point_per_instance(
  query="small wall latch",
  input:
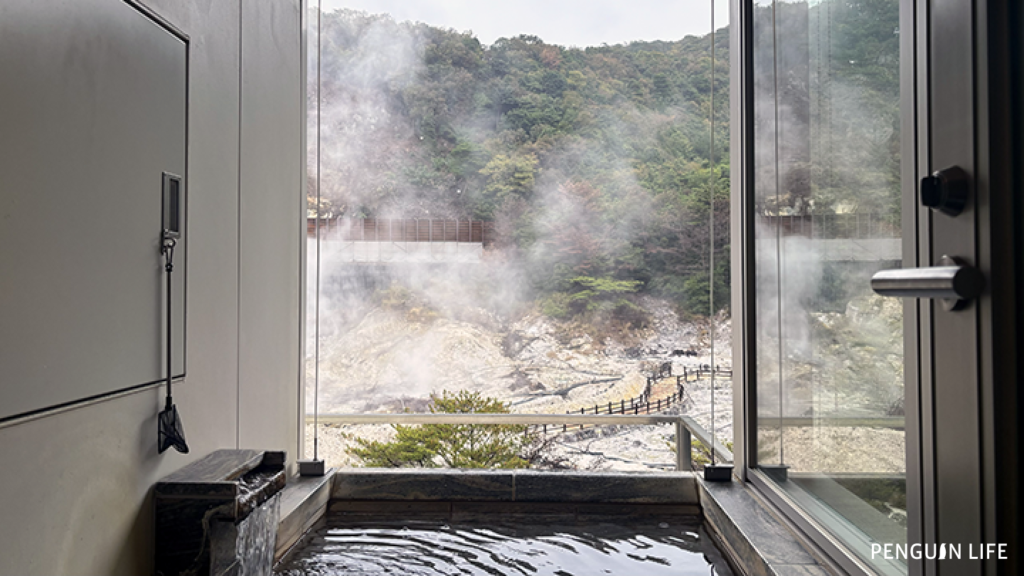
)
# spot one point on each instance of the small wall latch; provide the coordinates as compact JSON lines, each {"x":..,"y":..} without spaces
{"x":946,"y":190}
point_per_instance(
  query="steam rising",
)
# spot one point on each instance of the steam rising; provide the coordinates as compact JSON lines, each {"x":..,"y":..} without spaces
{"x":563,"y":206}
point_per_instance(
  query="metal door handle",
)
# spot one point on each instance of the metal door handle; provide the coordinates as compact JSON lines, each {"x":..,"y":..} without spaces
{"x":952,"y":282}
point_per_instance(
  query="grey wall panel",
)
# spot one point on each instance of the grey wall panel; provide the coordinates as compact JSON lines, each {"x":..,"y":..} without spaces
{"x":207,"y":399}
{"x":74,"y":499}
{"x":75,"y":492}
{"x":271,"y":225}
{"x":93,"y":112}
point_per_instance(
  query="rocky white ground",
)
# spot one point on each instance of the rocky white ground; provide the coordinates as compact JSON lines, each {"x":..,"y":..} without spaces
{"x":392,"y":360}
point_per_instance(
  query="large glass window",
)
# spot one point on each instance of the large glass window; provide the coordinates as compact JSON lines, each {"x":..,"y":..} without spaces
{"x":523,"y":207}
{"x":829,"y":352}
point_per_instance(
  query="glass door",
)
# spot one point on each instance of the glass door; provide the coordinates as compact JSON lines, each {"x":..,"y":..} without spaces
{"x":827,"y":387}
{"x":885,"y":428}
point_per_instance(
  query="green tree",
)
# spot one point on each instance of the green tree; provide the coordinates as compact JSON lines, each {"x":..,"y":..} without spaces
{"x":455,"y":445}
{"x":507,"y":177}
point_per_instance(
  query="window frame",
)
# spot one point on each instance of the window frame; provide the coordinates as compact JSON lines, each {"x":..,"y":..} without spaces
{"x":913,"y":54}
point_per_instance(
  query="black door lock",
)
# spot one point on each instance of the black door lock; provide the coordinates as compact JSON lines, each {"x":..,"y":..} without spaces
{"x":946,"y":190}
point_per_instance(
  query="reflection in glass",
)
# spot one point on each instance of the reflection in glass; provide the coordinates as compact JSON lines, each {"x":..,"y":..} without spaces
{"x":769,"y":447}
{"x":827,"y":201}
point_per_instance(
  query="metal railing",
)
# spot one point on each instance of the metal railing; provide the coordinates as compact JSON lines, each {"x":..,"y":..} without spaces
{"x":686,"y":427}
{"x":401,"y":230}
{"x":889,"y":422}
{"x":835,"y":226}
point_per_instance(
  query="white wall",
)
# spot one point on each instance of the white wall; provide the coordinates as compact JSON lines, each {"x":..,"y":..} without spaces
{"x":74,"y":485}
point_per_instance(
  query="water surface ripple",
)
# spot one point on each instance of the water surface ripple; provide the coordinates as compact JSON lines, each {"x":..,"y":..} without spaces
{"x":500,"y":549}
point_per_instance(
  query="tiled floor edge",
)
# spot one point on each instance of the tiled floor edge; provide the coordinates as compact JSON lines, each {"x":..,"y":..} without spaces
{"x":828,"y":567}
{"x":729,"y":538}
{"x":756,"y":541}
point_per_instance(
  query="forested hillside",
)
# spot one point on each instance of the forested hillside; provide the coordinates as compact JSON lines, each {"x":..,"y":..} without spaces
{"x":594,"y":163}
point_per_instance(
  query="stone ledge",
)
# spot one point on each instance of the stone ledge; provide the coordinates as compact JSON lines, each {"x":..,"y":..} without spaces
{"x":349,"y":512}
{"x":428,"y":484}
{"x":450,"y":485}
{"x":303,"y":504}
{"x":217,"y":466}
{"x":606,"y":487}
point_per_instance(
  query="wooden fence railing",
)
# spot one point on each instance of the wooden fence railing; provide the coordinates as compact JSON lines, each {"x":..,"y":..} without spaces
{"x":643,"y":404}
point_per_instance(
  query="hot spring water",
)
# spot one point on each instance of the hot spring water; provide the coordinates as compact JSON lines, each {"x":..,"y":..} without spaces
{"x":498,"y":548}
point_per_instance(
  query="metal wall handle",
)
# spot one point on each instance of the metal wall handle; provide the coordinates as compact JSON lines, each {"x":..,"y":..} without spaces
{"x":952,"y":282}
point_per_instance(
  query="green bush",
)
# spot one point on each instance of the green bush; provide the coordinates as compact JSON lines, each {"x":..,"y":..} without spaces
{"x":625,"y":312}
{"x":455,"y":445}
{"x":557,"y":306}
{"x":589,"y":295}
{"x":702,"y":454}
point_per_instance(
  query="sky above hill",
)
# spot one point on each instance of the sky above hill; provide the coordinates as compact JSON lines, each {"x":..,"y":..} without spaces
{"x":567,"y":22}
